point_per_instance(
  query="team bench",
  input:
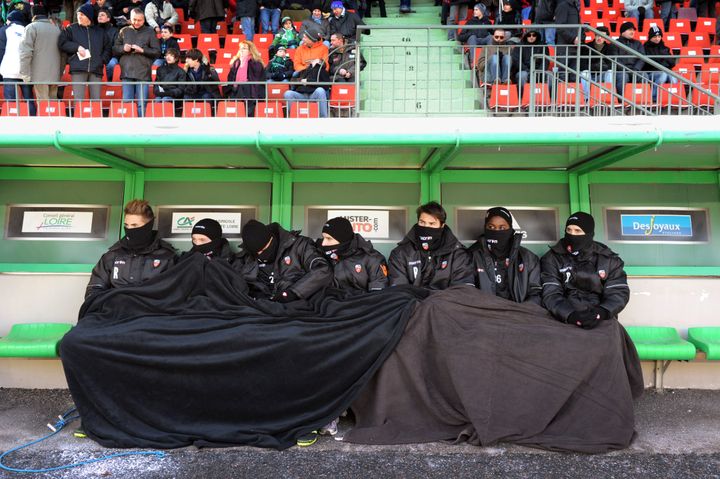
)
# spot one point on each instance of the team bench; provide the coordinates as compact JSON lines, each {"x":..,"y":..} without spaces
{"x":664,"y":345}
{"x":33,"y":340}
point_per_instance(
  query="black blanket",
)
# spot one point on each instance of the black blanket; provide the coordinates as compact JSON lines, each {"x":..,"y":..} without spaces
{"x":189,"y":358}
{"x":474,"y":367}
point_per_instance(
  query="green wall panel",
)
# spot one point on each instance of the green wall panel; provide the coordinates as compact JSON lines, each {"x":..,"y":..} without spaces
{"x":161,"y":193}
{"x":59,"y":192}
{"x":486,"y":194}
{"x":354,"y":194}
{"x":659,"y":196}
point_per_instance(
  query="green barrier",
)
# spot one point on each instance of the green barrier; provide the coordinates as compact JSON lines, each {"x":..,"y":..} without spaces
{"x":707,"y":340}
{"x":33,"y":340}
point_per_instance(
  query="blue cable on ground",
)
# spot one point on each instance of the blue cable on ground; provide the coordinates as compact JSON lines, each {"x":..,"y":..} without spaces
{"x":63,"y":421}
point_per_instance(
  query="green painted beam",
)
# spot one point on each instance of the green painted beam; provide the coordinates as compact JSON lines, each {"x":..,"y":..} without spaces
{"x":503,"y":176}
{"x":282,"y":197}
{"x":60,"y":174}
{"x":208,"y":175}
{"x":574,"y":192}
{"x":652,"y":177}
{"x":45,"y":268}
{"x":583,"y":193}
{"x":96,"y":155}
{"x":608,"y":157}
{"x":672,"y":271}
{"x":356,"y":176}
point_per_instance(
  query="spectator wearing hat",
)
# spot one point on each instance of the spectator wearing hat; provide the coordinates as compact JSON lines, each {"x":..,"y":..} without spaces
{"x":246,"y":11}
{"x":343,"y":21}
{"x":208,"y":13}
{"x":656,"y":49}
{"x":40,"y":57}
{"x":311,"y":66}
{"x":318,"y":21}
{"x":270,"y":15}
{"x":280,"y":68}
{"x":207,"y":239}
{"x":503,"y":267}
{"x":595,"y":64}
{"x":247,"y":66}
{"x":357,"y":267}
{"x":583,"y":281}
{"x":287,"y":36}
{"x":280,"y":265}
{"x":474,"y":37}
{"x":10,"y":68}
{"x":629,"y":66}
{"x":88,"y":50}
{"x":639,"y":10}
{"x":530,"y":54}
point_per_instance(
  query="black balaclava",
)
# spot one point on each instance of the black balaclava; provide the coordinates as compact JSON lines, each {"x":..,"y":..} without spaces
{"x":212,"y":229}
{"x":499,"y":241}
{"x":139,"y":238}
{"x":429,"y":238}
{"x":270,"y":252}
{"x":341,"y":230}
{"x":255,"y":236}
{"x":576,"y":243}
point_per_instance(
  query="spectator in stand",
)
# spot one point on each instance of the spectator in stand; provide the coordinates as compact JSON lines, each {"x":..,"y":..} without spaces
{"x":280,"y":67}
{"x":287,"y":36}
{"x":524,"y":56}
{"x":246,"y":11}
{"x":137,"y":47}
{"x":106,"y":23}
{"x":167,"y":40}
{"x":208,"y":13}
{"x":381,"y":6}
{"x":543,"y":13}
{"x":639,"y":10}
{"x":594,"y":64}
{"x":40,"y":58}
{"x":508,"y":15}
{"x":317,"y":20}
{"x":170,"y":71}
{"x":199,"y":70}
{"x":10,"y":37}
{"x":474,"y":37}
{"x":405,"y":6}
{"x":88,"y":49}
{"x":629,"y":66}
{"x":656,"y":49}
{"x":103,"y":4}
{"x":8,"y":6}
{"x":160,"y":13}
{"x":495,"y":63}
{"x":342,"y":60}
{"x":311,"y":65}
{"x":452,"y":12}
{"x":125,"y":7}
{"x":343,"y":21}
{"x":247,"y":66}
{"x":567,"y":12}
{"x":667,"y":11}
{"x":270,"y":16}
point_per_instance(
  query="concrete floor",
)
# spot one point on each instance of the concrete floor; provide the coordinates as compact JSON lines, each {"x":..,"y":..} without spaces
{"x":678,"y":436}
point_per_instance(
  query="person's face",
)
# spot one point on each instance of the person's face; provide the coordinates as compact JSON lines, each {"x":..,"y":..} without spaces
{"x":629,"y":34}
{"x":170,"y":58}
{"x":135,"y":221}
{"x":137,"y":20}
{"x":429,"y":221}
{"x":317,"y":13}
{"x":243,"y":50}
{"x":280,"y":53}
{"x":574,"y":230}
{"x":307,"y":41}
{"x":100,"y":3}
{"x":507,"y":7}
{"x":287,"y":25}
{"x":497,"y":223}
{"x":198,"y":239}
{"x":656,"y":39}
{"x":532,"y":37}
{"x":166,"y":33}
{"x":329,"y":240}
{"x":599,"y":40}
{"x":477,"y":12}
{"x":335,"y":42}
{"x":337,"y":11}
{"x":83,"y":20}
{"x":499,"y":36}
{"x":103,"y":17}
{"x":194,"y":64}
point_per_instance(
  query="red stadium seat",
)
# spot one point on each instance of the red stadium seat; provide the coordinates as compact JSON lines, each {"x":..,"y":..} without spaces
{"x":276,"y":91}
{"x":603,"y":95}
{"x":231,"y":109}
{"x":342,"y":96}
{"x":588,"y":15}
{"x":232,"y":41}
{"x":271,"y":109}
{"x":207,"y":42}
{"x":672,"y":95}
{"x":221,"y":29}
{"x":540,"y":95}
{"x":110,"y":94}
{"x":569,"y":95}
{"x":123,"y":109}
{"x":304,"y":109}
{"x":504,"y":96}
{"x":710,"y":74}
{"x":191,"y":28}
{"x":263,"y":40}
{"x":51,"y":108}
{"x":714,"y":54}
{"x":699,"y":40}
{"x":15,"y":108}
{"x":673,"y":41}
{"x":691,"y":56}
{"x":225,"y":55}
{"x":196,"y":109}
{"x":88,"y":109}
{"x":678,"y":25}
{"x":702,"y":99}
{"x":181,"y":15}
{"x":184,"y":42}
{"x":639,"y":94}
{"x":705,"y":25}
{"x":159,"y":109}
{"x":686,"y":71}
{"x":611,"y":13}
{"x":222,"y":71}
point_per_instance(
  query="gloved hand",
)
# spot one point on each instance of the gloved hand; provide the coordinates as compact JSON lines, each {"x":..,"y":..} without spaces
{"x":604,"y":313}
{"x":286,"y":297}
{"x":587,"y":319}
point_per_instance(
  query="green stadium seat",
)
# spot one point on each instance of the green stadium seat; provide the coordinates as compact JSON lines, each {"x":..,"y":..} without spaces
{"x":662,"y":345}
{"x":33,"y":340}
{"x":707,"y":340}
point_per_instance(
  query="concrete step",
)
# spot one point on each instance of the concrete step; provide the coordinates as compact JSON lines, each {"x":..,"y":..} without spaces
{"x":419,"y":106}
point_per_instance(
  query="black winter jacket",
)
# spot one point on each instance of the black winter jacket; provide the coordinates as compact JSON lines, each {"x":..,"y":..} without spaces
{"x":361,"y":269}
{"x":523,"y":270}
{"x":92,"y":38}
{"x":594,"y":277}
{"x":466,"y":33}
{"x":446,"y":266}
{"x":591,"y":60}
{"x":522,"y":55}
{"x":121,"y":266}
{"x":207,"y":74}
{"x":170,"y":73}
{"x":346,"y":24}
{"x":298,"y":267}
{"x":567,"y":12}
{"x":626,"y":58}
{"x":655,"y":51}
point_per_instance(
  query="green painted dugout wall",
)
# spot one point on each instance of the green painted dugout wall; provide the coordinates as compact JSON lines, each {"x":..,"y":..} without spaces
{"x":284,"y":196}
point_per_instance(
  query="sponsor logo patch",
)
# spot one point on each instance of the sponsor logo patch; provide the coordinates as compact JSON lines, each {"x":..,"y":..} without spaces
{"x":358,"y":268}
{"x":156,"y":263}
{"x":287,"y":260}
